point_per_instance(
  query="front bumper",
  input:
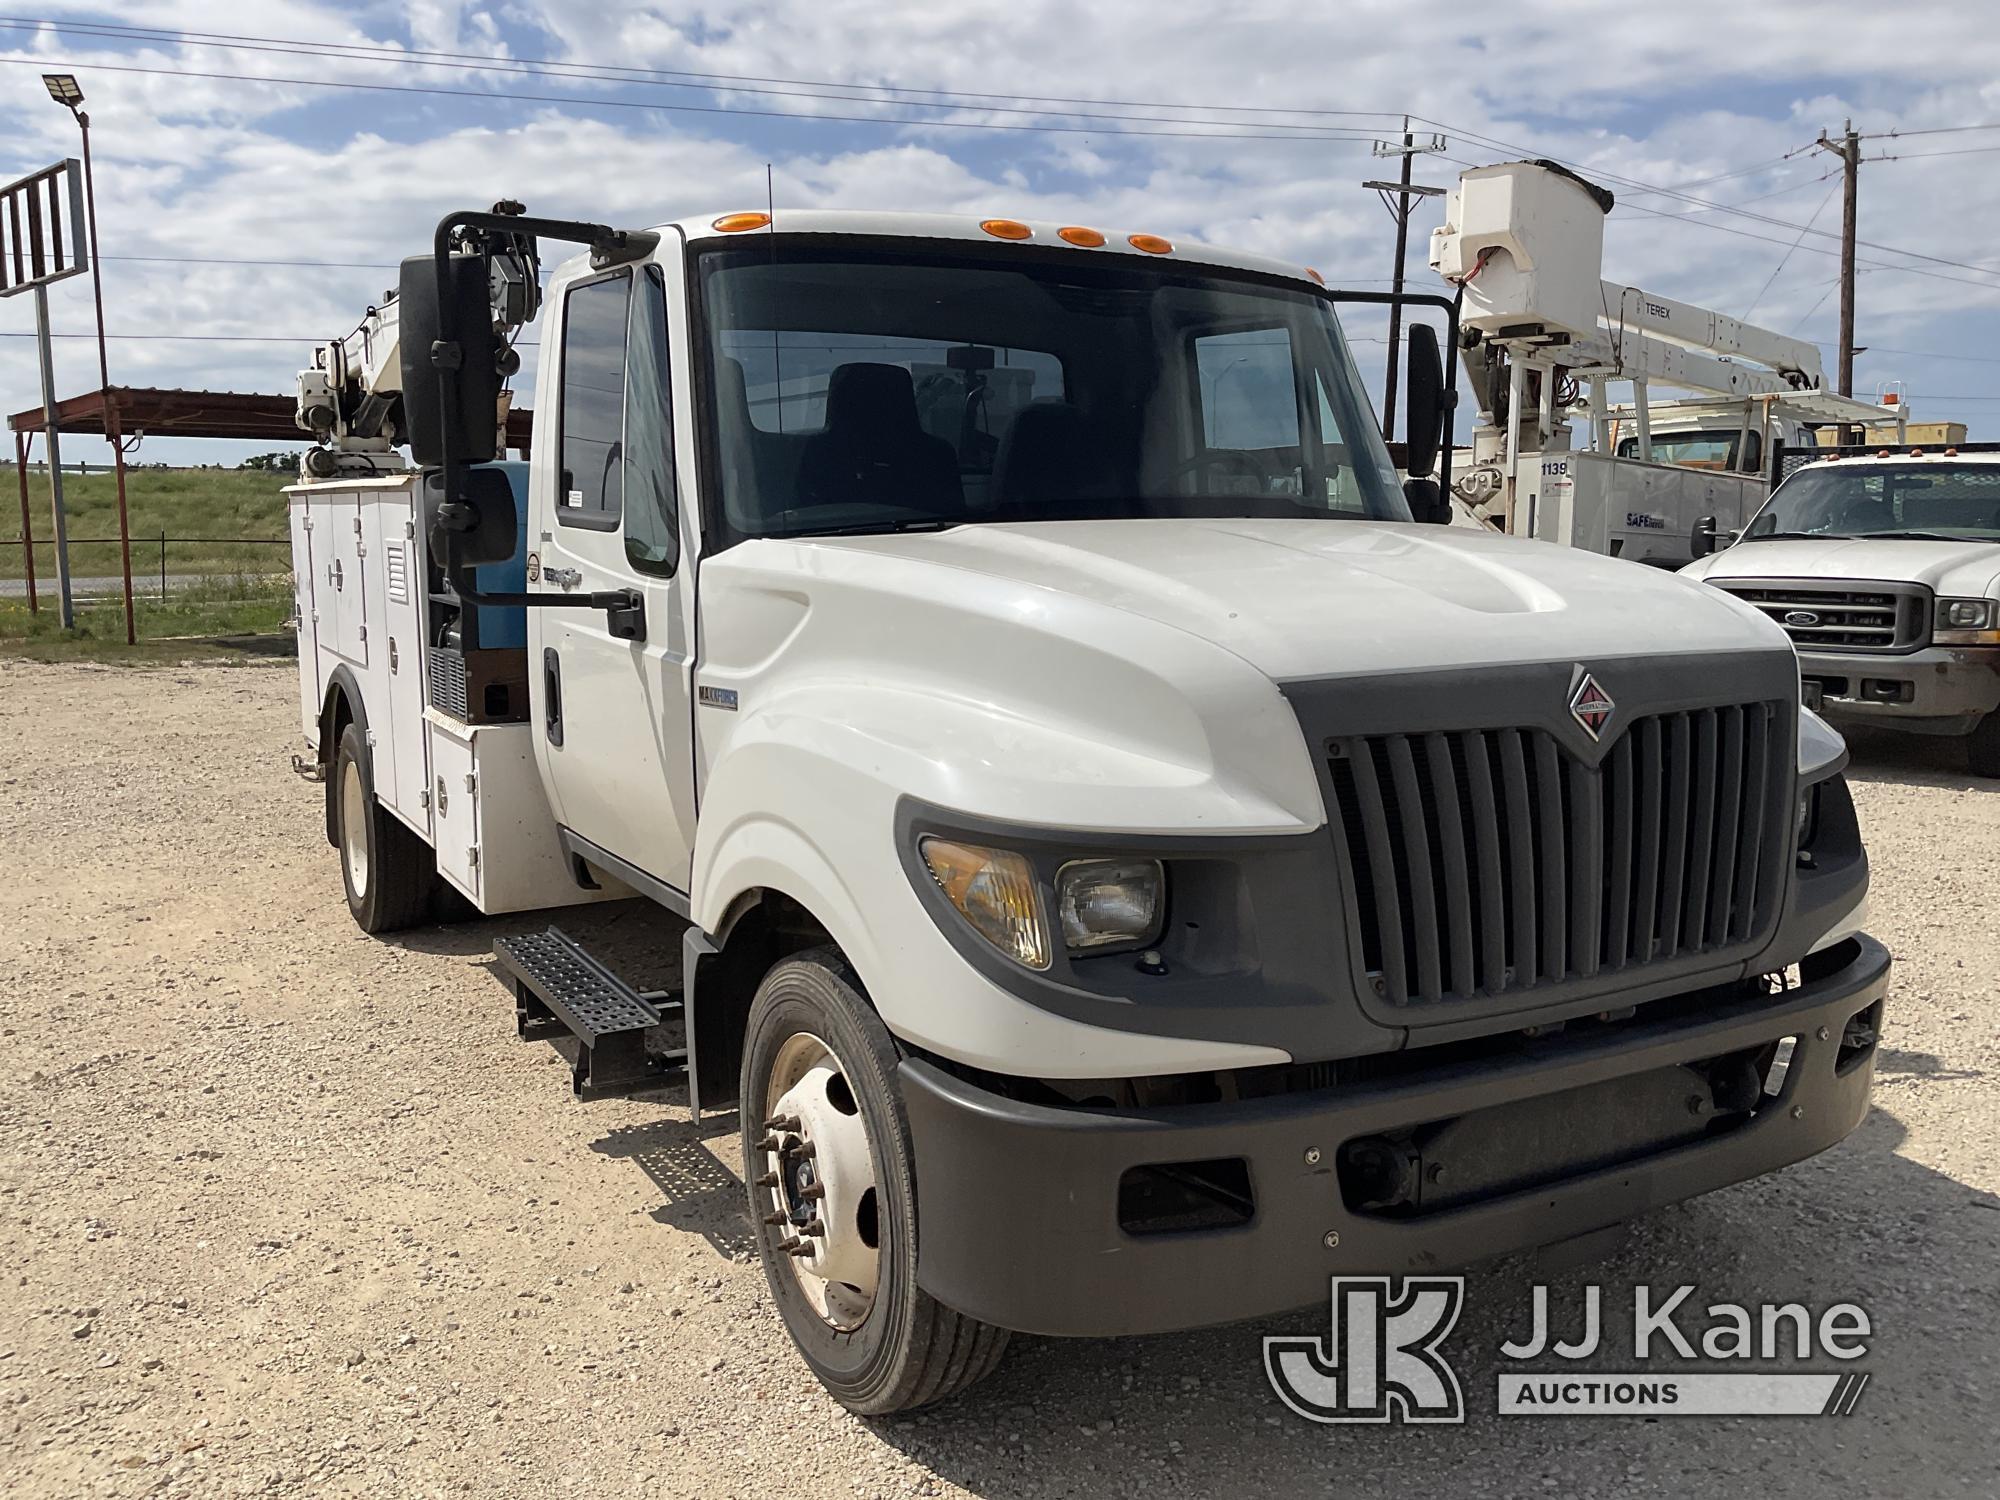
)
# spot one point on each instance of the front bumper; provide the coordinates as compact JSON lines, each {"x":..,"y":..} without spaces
{"x":1936,"y":690}
{"x":1020,"y":1202}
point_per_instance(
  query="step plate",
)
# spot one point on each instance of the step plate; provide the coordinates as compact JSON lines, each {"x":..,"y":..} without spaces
{"x":556,"y":981}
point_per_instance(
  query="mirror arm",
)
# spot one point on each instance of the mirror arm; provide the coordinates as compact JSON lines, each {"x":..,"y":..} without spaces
{"x":626,"y":608}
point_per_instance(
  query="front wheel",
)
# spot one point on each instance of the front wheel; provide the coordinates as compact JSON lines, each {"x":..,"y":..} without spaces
{"x":826,"y":1154}
{"x":1982,"y":746}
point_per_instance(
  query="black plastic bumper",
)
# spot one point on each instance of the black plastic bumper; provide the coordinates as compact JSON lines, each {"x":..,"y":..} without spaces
{"x":1018,"y":1202}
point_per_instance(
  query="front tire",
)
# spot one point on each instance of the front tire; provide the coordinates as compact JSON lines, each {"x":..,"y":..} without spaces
{"x":1982,"y":746}
{"x":826,"y":1155}
{"x":388,"y":871}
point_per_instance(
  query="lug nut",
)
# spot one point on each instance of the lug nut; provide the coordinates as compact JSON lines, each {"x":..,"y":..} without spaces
{"x":782,"y":1122}
{"x":800,"y":1249}
{"x":768,"y":1180}
{"x":768,"y":1143}
{"x":774,"y":1220}
{"x":816,"y":1229}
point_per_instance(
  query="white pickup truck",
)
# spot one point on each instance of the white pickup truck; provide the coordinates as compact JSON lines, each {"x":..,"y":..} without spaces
{"x":1130,"y":869}
{"x":1883,"y":565}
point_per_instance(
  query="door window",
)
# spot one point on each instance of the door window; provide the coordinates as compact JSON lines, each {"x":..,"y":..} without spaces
{"x":652,"y":530}
{"x":593,"y":403}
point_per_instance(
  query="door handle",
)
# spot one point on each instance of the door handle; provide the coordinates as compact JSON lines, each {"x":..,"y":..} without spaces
{"x":552,"y":695}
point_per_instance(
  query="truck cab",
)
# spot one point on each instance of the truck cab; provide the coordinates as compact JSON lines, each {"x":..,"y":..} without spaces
{"x":1096,"y":809}
{"x":1883,"y":565}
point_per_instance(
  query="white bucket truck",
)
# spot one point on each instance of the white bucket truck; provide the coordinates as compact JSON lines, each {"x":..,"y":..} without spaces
{"x":1545,"y":339}
{"x":1129,"y":869}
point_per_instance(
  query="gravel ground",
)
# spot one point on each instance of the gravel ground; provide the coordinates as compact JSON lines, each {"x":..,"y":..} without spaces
{"x":287,"y":1210}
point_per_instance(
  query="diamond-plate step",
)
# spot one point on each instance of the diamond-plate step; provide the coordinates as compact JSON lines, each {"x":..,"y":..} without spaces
{"x":556,"y":982}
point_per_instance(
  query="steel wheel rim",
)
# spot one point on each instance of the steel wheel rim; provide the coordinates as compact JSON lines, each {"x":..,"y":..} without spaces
{"x":816,"y":1192}
{"x":354,"y":828}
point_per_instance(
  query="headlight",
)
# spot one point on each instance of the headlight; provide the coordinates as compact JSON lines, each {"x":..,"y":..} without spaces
{"x":994,"y":890}
{"x":1966,"y":622}
{"x":1109,"y":903}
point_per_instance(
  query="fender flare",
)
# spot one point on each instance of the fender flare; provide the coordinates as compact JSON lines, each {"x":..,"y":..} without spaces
{"x":348,"y":686}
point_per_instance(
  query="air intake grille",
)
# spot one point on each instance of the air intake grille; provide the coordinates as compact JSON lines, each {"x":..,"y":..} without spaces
{"x":1869,"y":617}
{"x":1488,"y":861}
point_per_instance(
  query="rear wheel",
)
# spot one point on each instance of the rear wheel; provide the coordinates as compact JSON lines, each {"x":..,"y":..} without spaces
{"x":826,"y":1152}
{"x":1982,"y":746}
{"x":388,"y":871}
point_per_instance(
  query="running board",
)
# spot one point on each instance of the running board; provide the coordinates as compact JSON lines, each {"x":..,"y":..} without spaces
{"x":558,"y":985}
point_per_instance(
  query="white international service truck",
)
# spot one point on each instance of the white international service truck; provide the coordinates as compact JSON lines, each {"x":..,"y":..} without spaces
{"x":1131,"y":867}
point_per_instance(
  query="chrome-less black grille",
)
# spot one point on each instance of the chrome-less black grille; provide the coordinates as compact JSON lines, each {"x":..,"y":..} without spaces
{"x":1488,"y":861}
{"x":1845,"y":616}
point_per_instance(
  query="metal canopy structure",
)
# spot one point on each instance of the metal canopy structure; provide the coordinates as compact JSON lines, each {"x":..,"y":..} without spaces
{"x":154,"y":411}
{"x":126,"y":414}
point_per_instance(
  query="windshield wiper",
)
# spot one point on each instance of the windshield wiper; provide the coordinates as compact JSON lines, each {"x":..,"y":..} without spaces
{"x":1795,"y":536}
{"x":1923,"y":536}
{"x":878,"y":528}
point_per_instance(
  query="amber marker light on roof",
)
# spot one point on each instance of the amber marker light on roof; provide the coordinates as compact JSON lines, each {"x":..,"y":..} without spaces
{"x":1315,"y":276}
{"x":737,"y":223}
{"x":1152,"y":244}
{"x":1076,"y":234}
{"x":1006,"y":229}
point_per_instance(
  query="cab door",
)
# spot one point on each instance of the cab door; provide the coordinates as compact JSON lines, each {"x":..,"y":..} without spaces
{"x":614,"y":728}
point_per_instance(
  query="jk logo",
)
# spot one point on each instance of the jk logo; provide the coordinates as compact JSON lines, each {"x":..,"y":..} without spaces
{"x":1380,"y":1362}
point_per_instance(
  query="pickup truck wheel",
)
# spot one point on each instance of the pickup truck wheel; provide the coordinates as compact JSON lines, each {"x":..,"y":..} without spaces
{"x":826,"y":1154}
{"x":1982,"y":746}
{"x":388,"y":870}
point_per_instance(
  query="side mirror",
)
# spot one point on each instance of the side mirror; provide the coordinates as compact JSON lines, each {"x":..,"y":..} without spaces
{"x":421,"y":307}
{"x":481,"y":526}
{"x":1704,"y":539}
{"x":1427,"y":501}
{"x":1424,"y":401}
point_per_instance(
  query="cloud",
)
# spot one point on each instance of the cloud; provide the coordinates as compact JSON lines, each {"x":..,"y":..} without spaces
{"x":265,"y":170}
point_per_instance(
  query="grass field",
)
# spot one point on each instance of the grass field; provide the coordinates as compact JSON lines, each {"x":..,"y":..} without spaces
{"x":246,"y":612}
{"x":236,"y":516}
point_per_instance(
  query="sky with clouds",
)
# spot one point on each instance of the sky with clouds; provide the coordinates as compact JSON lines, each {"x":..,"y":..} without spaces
{"x":261,"y":168}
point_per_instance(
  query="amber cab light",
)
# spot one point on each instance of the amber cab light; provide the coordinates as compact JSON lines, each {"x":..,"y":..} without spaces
{"x":1076,"y":234}
{"x":1006,"y":229}
{"x":1152,"y":244}
{"x":737,"y":223}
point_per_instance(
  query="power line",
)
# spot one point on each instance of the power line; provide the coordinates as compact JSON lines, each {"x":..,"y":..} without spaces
{"x":1785,"y":259}
{"x":1220,"y":129}
{"x":1920,"y":155}
{"x":717,"y":82}
{"x":1704,"y":203}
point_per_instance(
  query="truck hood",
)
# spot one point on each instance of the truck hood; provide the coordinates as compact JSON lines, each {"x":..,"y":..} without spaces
{"x":1304,"y":599}
{"x":1954,"y":569}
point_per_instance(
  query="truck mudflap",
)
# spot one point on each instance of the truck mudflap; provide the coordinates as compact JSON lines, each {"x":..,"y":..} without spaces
{"x":1077,"y":1221}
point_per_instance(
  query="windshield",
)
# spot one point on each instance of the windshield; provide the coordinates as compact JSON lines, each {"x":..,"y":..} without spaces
{"x":856,"y":389}
{"x":1697,"y":450}
{"x":1917,"y":500}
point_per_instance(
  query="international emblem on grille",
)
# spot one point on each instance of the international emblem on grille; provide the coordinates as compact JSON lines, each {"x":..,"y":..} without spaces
{"x":1591,"y":706}
{"x":1804,"y":619}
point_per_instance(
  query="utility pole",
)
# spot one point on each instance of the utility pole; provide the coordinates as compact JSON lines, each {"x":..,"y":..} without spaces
{"x":1399,"y":197}
{"x":1848,"y":149}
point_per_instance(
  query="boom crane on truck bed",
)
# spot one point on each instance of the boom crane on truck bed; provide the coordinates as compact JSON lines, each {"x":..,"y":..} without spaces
{"x":351,"y":397}
{"x":1543,"y":334}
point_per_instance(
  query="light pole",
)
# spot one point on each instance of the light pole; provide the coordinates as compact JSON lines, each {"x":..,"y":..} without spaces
{"x":66,"y":91}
